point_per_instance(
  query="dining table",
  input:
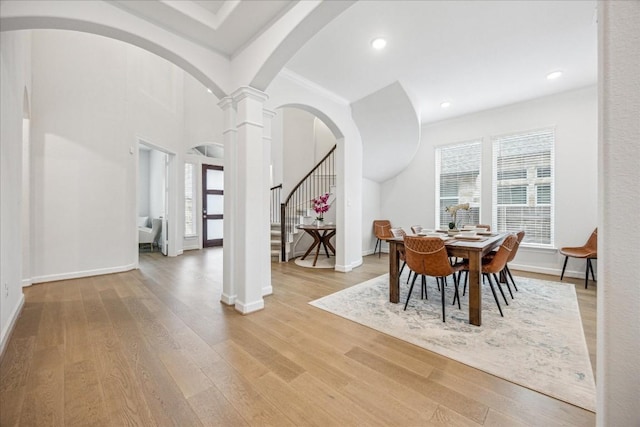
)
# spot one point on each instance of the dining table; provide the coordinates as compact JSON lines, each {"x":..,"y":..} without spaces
{"x":472,"y":249}
{"x":321,"y":235}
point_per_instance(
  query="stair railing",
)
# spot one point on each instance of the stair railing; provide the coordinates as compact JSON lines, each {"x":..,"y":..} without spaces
{"x":316,"y":183}
{"x":276,"y":197}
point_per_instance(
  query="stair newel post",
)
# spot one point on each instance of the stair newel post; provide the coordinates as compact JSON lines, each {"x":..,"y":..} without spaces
{"x":283,"y":232}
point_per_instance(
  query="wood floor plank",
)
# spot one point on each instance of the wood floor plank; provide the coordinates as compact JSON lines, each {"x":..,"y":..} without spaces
{"x":15,"y":368}
{"x":168,"y":405}
{"x":154,"y":346}
{"x":244,"y":397}
{"x":84,"y":404}
{"x":44,"y":403}
{"x":465,"y":406}
{"x":214,"y":409}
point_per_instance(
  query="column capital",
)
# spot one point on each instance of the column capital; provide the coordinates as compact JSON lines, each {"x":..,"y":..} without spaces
{"x":249,"y":92}
{"x":226,"y":102}
{"x":268,"y":114}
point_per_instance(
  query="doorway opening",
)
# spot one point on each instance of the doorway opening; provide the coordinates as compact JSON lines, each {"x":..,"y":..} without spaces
{"x":153,"y":199}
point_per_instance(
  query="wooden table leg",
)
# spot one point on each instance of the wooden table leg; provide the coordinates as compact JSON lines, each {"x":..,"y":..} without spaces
{"x":316,"y":241}
{"x":475,"y":292}
{"x":394,"y":284}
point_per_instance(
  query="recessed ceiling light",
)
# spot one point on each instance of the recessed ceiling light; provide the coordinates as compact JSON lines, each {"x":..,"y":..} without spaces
{"x":445,"y":104}
{"x":378,"y":43}
{"x":209,"y":90}
{"x":554,"y":75}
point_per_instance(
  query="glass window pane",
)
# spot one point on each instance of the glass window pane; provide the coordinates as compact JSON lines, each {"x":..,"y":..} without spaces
{"x":215,"y":204}
{"x":215,"y":179}
{"x":214,"y":229}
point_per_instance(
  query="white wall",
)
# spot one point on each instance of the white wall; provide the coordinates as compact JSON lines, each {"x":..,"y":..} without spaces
{"x":409,"y":198}
{"x":94,"y":100}
{"x":370,"y":212}
{"x":15,"y":68}
{"x":157,"y":172}
{"x":143,"y":182}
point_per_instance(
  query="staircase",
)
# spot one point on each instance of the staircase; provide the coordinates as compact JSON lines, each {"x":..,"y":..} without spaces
{"x":297,"y":207}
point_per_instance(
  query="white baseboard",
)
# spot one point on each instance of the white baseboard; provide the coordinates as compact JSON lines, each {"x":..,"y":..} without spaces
{"x":549,"y":271}
{"x":85,"y":273}
{"x":246,"y":308}
{"x":26,"y":283}
{"x":8,"y":330}
{"x":267,"y":290}
{"x":227,"y":299}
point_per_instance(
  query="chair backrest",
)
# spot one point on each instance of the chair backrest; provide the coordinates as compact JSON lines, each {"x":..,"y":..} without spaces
{"x":398,"y":232}
{"x":592,"y":243}
{"x":499,"y":260}
{"x":488,"y":227}
{"x":382,"y":228}
{"x":514,"y":251}
{"x":415,"y":229}
{"x":156,"y":225}
{"x":427,"y":255}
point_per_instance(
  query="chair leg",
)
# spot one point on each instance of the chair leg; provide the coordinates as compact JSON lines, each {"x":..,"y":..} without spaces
{"x":495,"y":297}
{"x":586,"y":274}
{"x":442,"y":298}
{"x":506,"y":267}
{"x":500,"y":288}
{"x":566,"y":258}
{"x":410,"y":290}
{"x":591,"y":268}
{"x":402,"y":268}
{"x":424,"y":286}
{"x":376,"y":248}
{"x":503,"y":274}
{"x":456,"y":295}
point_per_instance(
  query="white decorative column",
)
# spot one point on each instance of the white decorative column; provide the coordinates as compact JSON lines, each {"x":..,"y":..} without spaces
{"x":250,"y":209}
{"x":228,"y":247}
{"x":618,"y":361}
{"x":268,"y":115}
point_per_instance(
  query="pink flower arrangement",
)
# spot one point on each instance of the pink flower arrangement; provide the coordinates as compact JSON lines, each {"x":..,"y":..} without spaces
{"x":320,"y":205}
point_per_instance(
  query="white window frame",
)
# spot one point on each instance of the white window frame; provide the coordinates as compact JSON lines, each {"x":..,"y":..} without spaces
{"x":194,"y":200}
{"x":529,"y":140}
{"x":474,"y":200}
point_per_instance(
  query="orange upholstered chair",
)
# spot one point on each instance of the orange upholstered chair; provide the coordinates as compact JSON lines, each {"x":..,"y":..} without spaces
{"x":588,"y":251}
{"x":382,"y":231}
{"x":427,"y":256}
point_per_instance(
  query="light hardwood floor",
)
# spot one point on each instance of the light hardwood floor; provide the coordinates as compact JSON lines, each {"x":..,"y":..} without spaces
{"x":156,"y":347}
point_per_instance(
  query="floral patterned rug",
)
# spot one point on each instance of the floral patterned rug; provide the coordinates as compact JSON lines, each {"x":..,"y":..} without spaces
{"x":539,"y":343}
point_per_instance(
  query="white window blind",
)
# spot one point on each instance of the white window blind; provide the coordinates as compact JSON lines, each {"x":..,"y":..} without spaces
{"x":189,"y":200}
{"x":458,"y":181}
{"x":523,"y":179}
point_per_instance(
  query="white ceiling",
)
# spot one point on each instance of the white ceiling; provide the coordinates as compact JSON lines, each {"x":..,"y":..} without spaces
{"x":475,"y":54}
{"x":224,"y":26}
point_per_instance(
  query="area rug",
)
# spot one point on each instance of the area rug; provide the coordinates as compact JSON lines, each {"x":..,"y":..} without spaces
{"x":323,"y":262}
{"x":538,"y":344}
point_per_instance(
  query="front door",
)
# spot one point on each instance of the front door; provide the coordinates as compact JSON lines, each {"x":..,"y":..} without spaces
{"x":212,"y":205}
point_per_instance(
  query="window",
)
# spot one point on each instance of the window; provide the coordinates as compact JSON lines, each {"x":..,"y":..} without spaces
{"x":523,"y":185}
{"x":458,"y":181}
{"x":189,"y":201}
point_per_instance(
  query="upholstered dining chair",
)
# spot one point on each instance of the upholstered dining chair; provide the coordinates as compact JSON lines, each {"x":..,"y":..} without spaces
{"x":427,"y":256}
{"x":399,"y":232}
{"x":493,"y":265}
{"x":588,"y":251}
{"x":488,"y":227}
{"x":382,"y":231}
{"x":512,"y":255}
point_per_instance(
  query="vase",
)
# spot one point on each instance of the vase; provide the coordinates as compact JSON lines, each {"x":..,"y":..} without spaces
{"x":319,"y":222}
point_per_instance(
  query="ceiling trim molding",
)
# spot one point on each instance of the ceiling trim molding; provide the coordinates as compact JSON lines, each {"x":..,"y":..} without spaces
{"x":200,"y":14}
{"x":312,"y":86}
